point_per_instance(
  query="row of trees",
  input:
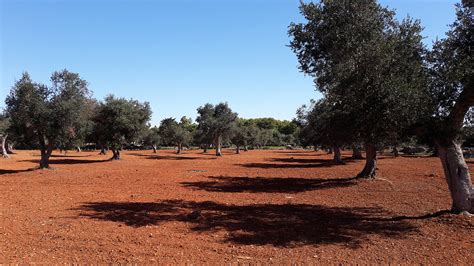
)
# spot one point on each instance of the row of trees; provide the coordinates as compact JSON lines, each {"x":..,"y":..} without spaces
{"x":64,"y":115}
{"x":381,"y":84}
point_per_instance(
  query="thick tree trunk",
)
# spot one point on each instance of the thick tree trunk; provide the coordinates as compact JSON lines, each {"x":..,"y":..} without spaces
{"x":205,"y":148}
{"x":237,"y":150}
{"x":103,"y":150}
{"x":457,"y":177}
{"x":154,"y":148}
{"x":395,"y":151}
{"x":356,"y":154}
{"x":4,"y":149}
{"x":370,"y":162}
{"x":246,"y":148}
{"x":337,"y":155}
{"x":45,"y":154}
{"x":218,"y":146}
{"x":116,"y":154}
{"x":9,"y":148}
{"x":78,"y":148}
{"x":180,"y":147}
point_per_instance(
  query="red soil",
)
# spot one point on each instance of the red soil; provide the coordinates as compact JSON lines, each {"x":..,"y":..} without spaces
{"x":260,"y":206}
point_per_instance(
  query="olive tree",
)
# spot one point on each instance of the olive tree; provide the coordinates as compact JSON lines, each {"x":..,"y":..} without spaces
{"x":362,"y":58}
{"x":48,"y":116}
{"x":118,"y":121}
{"x":217,"y":122}
{"x":175,"y":133}
{"x":452,"y":90}
{"x":152,"y":138}
{"x":242,"y":135}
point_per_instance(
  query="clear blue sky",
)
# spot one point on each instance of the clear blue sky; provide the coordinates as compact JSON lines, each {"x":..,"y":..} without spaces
{"x":176,"y":54}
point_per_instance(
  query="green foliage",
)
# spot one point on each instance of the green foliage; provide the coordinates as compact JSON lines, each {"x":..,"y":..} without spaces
{"x":365,"y":63}
{"x":451,"y":78}
{"x":51,"y":116}
{"x":118,"y":121}
{"x":174,"y":133}
{"x":215,"y":121}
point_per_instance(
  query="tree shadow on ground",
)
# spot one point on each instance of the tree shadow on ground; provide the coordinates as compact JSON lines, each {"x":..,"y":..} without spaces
{"x":259,"y":224}
{"x":8,"y":171}
{"x":69,"y":161}
{"x":177,"y":157}
{"x":268,"y":184}
{"x":296,"y":163}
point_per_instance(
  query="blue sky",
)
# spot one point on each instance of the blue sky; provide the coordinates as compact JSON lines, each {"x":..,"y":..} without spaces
{"x":176,"y":54}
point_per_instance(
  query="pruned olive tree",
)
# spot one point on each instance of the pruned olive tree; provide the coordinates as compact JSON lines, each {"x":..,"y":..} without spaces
{"x":45,"y":115}
{"x":217,"y":122}
{"x":152,"y":137}
{"x":175,"y":133}
{"x":242,"y":135}
{"x":452,"y":88}
{"x":118,"y":121}
{"x":331,"y":125}
{"x":362,"y":58}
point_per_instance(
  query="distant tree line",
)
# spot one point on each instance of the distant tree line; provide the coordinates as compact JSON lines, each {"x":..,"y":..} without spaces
{"x":65,"y":116}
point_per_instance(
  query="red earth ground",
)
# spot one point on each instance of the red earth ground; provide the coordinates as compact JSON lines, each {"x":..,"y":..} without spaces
{"x":268,"y":207}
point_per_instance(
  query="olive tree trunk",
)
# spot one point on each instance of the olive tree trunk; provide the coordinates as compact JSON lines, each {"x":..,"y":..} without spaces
{"x":356,"y":154}
{"x":103,"y":150}
{"x":78,"y":148}
{"x":45,"y":155}
{"x":370,"y":162}
{"x":205,"y":147}
{"x":337,"y":155}
{"x":395,"y":151}
{"x":218,"y":146}
{"x":457,"y":176}
{"x":4,"y":149}
{"x":154,"y":148}
{"x":9,"y":148}
{"x":116,"y":154}
{"x":180,"y":148}
{"x":237,"y":150}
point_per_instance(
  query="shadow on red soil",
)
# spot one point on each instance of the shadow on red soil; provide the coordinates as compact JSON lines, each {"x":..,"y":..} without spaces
{"x":259,"y":224}
{"x":268,"y":184}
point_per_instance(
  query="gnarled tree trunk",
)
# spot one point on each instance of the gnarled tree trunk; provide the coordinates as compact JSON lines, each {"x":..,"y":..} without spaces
{"x":395,"y":151}
{"x":45,"y":154}
{"x":370,"y":162}
{"x":78,"y":148}
{"x":204,"y":148}
{"x":356,"y":154}
{"x":4,"y":149}
{"x":9,"y":148}
{"x":103,"y":150}
{"x":237,"y":150}
{"x":337,"y":155}
{"x":180,"y":148}
{"x":218,"y":146}
{"x":457,"y":176}
{"x":154,"y":148}
{"x":116,"y":154}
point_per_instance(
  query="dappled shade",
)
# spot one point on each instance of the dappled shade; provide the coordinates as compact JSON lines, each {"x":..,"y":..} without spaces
{"x":259,"y":224}
{"x":267,"y":184}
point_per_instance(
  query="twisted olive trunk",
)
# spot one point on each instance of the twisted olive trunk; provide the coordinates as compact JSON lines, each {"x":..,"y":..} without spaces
{"x":457,"y":176}
{"x":4,"y":149}
{"x":337,"y":155}
{"x":356,"y":154}
{"x":370,"y":162}
{"x":180,"y":148}
{"x":116,"y":154}
{"x":237,"y":150}
{"x":154,"y":148}
{"x":218,"y":146}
